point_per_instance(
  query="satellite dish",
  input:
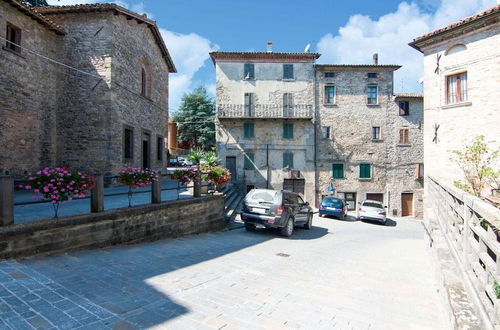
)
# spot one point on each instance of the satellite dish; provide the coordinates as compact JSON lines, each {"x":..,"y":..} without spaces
{"x":421,"y":80}
{"x":307,"y":48}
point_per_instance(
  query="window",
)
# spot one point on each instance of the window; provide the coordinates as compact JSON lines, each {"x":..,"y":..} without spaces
{"x":248,"y":130}
{"x":404,"y":108}
{"x":249,"y":104}
{"x":128,"y":143}
{"x":329,"y":74}
{"x":288,"y":101}
{"x":329,"y":94}
{"x":144,"y":82}
{"x":404,"y":136}
{"x":287,"y":160}
{"x":365,"y":171}
{"x":288,"y":131}
{"x":249,"y":71}
{"x":13,"y":38}
{"x":372,"y":94}
{"x":375,"y":133}
{"x":456,"y":88}
{"x":372,"y":75}
{"x":249,"y":164}
{"x":287,"y":71}
{"x":338,"y":171}
{"x":325,"y":132}
{"x":160,"y":145}
{"x":419,"y":171}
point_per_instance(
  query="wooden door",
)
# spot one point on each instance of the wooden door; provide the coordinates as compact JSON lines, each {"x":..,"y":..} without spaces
{"x":295,"y":185}
{"x":231,"y":166}
{"x":406,"y":204}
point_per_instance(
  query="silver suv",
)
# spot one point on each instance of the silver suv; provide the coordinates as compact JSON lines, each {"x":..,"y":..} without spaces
{"x":282,"y":209}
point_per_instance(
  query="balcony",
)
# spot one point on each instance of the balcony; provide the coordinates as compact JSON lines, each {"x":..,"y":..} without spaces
{"x":265,"y":111}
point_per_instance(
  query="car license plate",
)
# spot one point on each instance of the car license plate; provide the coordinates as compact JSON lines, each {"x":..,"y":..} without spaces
{"x":331,"y":208}
{"x":259,"y":210}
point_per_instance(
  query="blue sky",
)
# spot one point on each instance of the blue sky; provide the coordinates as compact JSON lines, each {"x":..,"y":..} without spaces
{"x":343,"y":31}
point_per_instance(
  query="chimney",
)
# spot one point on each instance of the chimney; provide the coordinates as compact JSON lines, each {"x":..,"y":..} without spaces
{"x":269,"y":46}
{"x":375,"y":59}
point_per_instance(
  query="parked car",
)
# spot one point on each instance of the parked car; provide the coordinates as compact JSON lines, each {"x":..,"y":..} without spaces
{"x":282,"y":209}
{"x":372,"y":210}
{"x":182,"y":161}
{"x":333,"y":206}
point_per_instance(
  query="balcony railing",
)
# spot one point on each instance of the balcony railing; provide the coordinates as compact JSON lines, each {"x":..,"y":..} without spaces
{"x":471,"y":227}
{"x":296,"y":111}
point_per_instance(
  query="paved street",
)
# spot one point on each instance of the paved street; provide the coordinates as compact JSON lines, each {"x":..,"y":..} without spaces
{"x":340,"y":275}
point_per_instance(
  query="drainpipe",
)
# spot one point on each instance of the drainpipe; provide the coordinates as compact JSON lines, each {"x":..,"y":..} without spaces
{"x":315,"y":137}
{"x":267,"y":166}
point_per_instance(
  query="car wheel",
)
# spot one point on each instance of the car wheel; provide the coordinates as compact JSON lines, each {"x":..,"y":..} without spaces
{"x":287,"y":231}
{"x":309,"y":222}
{"x":249,"y":227}
{"x":342,"y":217}
{"x":321,"y":215}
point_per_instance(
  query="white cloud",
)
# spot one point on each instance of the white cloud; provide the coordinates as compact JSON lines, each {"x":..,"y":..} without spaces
{"x":189,"y":53}
{"x":361,"y":37}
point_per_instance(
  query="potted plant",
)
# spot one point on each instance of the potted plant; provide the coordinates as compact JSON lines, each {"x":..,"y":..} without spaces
{"x":58,"y":185}
{"x":135,"y":178}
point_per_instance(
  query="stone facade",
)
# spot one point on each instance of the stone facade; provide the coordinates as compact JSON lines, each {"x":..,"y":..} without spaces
{"x":125,"y":85}
{"x":467,"y":47}
{"x":268,"y":116}
{"x":351,"y":121}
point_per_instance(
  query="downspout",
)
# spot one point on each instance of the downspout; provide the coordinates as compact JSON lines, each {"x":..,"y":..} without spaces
{"x":315,"y":137}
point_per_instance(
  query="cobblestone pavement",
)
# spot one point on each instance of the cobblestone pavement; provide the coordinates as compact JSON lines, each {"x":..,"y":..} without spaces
{"x":338,"y":275}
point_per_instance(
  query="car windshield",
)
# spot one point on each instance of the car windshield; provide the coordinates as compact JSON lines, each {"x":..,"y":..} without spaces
{"x":267,"y":196}
{"x":373,"y":204}
{"x":332,"y":202}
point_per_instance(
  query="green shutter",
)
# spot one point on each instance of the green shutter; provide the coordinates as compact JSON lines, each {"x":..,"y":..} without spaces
{"x":338,"y":171}
{"x":248,"y":71}
{"x":364,"y":171}
{"x":249,"y":161}
{"x":248,"y":130}
{"x":288,"y":159}
{"x":288,"y":131}
{"x":287,"y":71}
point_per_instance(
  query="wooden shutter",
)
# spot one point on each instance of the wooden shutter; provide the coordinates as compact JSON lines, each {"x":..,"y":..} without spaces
{"x":288,"y":131}
{"x":288,"y":159}
{"x":287,"y":71}
{"x":338,"y":171}
{"x":404,"y":136}
{"x":365,"y":171}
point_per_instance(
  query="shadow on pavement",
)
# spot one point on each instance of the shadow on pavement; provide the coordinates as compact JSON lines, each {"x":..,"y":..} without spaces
{"x":298,"y":233}
{"x":388,"y":223}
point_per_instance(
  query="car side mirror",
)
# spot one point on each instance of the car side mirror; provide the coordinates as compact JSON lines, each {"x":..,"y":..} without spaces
{"x":385,"y":207}
{"x":359,"y":203}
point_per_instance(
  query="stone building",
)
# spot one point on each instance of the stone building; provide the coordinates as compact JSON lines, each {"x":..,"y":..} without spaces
{"x":265,"y":104}
{"x":461,"y":87}
{"x":83,"y":86}
{"x":368,"y":140}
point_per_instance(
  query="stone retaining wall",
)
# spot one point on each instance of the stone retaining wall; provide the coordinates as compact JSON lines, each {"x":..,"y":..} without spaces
{"x":96,"y":230}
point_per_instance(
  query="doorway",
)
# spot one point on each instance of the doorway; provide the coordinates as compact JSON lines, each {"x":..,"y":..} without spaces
{"x":406,"y":204}
{"x":146,"y":150}
{"x":350,"y":200}
{"x":375,"y":197}
{"x":295,"y":185}
{"x":231,"y":166}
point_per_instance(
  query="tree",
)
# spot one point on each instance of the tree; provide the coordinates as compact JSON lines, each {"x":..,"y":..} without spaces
{"x":195,"y":119}
{"x":477,"y":163}
{"x":36,"y":3}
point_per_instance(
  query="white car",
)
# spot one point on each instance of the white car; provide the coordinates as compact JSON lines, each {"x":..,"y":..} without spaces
{"x":372,"y":210}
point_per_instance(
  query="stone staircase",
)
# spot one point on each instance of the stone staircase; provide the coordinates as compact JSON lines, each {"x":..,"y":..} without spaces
{"x":232,"y":206}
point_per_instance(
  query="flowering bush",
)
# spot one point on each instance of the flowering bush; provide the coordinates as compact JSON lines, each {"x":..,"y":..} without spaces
{"x":59,"y":184}
{"x":217,"y":175}
{"x":184,"y":176}
{"x":136,"y":177}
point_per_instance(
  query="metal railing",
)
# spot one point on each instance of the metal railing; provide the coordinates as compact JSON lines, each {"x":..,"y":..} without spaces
{"x":96,"y":200}
{"x":470,"y":226}
{"x":296,"y":111}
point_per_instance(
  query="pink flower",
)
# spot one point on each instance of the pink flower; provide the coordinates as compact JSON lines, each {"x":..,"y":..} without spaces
{"x":37,"y":191}
{"x":28,"y":187}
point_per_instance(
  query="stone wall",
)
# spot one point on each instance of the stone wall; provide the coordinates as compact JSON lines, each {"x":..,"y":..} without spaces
{"x":28,"y":95}
{"x":131,"y":225}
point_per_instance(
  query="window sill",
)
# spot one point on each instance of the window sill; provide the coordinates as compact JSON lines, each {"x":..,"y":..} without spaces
{"x":457,"y":105}
{"x":330,"y":104}
{"x":373,"y":105}
{"x":288,"y":79}
{"x":377,"y":140}
{"x":147,"y":98}
{"x":365,"y":179}
{"x":248,"y":79}
{"x":18,"y":53}
{"x":403,"y":145}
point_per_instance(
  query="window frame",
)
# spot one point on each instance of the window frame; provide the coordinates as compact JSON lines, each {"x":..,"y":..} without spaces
{"x":460,"y":95}
{"x":371,"y":75}
{"x":361,"y":171}
{"x":160,"y":147}
{"x":328,"y":130}
{"x":404,"y":136}
{"x":287,"y":131}
{"x":13,"y":45}
{"x":325,"y":95}
{"x":368,"y":98}
{"x":342,"y":168}
{"x":249,"y":161}
{"x":288,"y":101}
{"x":329,"y":74}
{"x":285,"y":76}
{"x":405,"y":109}
{"x":130,"y":155}
{"x":249,"y":130}
{"x":249,"y":106}
{"x":288,"y":160}
{"x":249,"y":69}
{"x":376,"y":133}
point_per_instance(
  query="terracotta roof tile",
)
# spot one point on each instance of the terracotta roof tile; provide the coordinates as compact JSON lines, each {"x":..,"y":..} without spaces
{"x":408,"y":95}
{"x":361,"y":66}
{"x":35,"y":15}
{"x":216,"y":56}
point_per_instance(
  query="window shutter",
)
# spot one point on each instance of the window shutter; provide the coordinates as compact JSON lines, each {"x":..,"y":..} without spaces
{"x":287,"y":71}
{"x":288,"y":131}
{"x":338,"y":171}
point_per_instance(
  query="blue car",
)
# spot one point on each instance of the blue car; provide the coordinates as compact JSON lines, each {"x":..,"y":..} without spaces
{"x":333,"y":206}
